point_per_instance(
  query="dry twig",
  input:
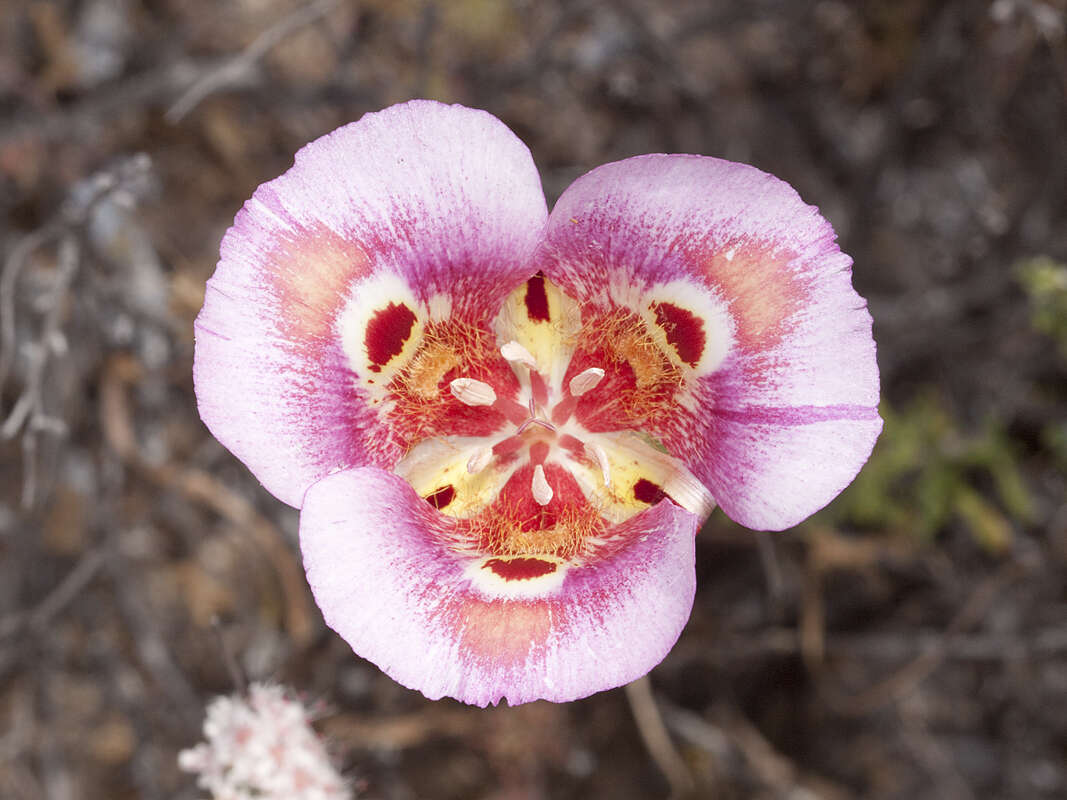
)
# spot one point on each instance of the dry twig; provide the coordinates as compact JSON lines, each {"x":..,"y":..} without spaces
{"x":240,"y":67}
{"x":202,"y":488}
{"x":656,"y":738}
{"x":906,"y":679}
{"x":64,"y":593}
{"x":29,"y":416}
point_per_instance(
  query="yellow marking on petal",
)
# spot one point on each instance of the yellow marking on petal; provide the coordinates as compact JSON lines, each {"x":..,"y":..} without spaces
{"x":632,"y":459}
{"x":436,"y":463}
{"x":549,"y":343}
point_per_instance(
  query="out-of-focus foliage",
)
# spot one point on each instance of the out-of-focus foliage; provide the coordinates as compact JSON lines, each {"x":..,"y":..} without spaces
{"x":926,"y":472}
{"x":1045,"y":282}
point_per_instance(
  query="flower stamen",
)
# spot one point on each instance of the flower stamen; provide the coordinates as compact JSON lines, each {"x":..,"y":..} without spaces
{"x":542,"y":492}
{"x":472,"y":392}
{"x":586,"y":381}
{"x":515,"y":353}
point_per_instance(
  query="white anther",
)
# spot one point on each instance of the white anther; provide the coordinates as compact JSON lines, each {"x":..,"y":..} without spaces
{"x":542,"y":492}
{"x":601,"y":457}
{"x":515,"y":352}
{"x":586,"y":380}
{"x":472,"y":392}
{"x":480,"y":460}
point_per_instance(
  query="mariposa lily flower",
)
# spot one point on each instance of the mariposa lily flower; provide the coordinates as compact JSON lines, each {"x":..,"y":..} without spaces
{"x":504,"y":427}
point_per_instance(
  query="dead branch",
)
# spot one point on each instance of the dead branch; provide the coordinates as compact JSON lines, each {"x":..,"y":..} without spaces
{"x":59,"y":598}
{"x":656,"y":738}
{"x":29,"y":416}
{"x":236,"y":70}
{"x":907,"y":679}
{"x":203,"y":489}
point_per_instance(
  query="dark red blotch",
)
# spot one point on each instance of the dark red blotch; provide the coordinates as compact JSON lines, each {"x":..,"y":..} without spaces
{"x":386,"y":333}
{"x":537,"y":299}
{"x":684,"y":329}
{"x":648,"y":492}
{"x":441,"y":497}
{"x":520,"y":569}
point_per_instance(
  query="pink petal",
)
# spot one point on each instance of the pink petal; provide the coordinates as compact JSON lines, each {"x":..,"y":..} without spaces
{"x":784,"y":393}
{"x":421,"y":208}
{"x":392,"y":579}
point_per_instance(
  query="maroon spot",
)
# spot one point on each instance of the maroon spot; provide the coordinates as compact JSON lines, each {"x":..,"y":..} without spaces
{"x":648,"y":492}
{"x":441,"y":497}
{"x":684,"y":329}
{"x":386,"y":333}
{"x":520,"y":569}
{"x":537,"y":299}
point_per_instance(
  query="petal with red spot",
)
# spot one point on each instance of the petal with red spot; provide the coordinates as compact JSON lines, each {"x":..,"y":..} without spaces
{"x":775,"y":408}
{"x":332,"y":279}
{"x":395,"y":579}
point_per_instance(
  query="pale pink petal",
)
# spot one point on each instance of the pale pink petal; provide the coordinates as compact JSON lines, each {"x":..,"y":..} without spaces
{"x":421,"y":209}
{"x":781,"y":411}
{"x":393,"y":579}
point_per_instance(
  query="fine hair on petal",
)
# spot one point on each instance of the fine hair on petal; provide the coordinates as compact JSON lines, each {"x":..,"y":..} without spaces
{"x":448,"y":349}
{"x":620,"y":336}
{"x":509,"y":528}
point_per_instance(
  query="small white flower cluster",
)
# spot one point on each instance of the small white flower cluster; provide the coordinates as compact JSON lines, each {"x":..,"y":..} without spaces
{"x":262,"y":747}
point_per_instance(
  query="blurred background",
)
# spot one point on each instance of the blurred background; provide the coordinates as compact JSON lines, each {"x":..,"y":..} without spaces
{"x":910,"y":641}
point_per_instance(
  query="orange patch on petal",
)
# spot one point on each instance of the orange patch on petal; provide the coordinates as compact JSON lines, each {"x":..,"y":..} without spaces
{"x":761,"y":290}
{"x":311,"y":271}
{"x":504,"y":630}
